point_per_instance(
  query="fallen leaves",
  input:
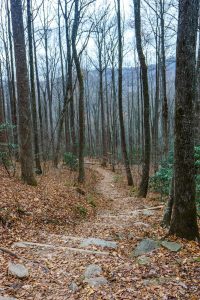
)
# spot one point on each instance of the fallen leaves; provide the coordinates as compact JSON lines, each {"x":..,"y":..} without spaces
{"x":48,"y":214}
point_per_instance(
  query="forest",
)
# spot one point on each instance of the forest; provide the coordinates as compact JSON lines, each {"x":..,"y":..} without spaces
{"x":99,"y":149}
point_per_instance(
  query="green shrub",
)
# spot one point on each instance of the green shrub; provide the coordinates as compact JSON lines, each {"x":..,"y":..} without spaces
{"x":81,"y":210}
{"x":161,"y":180}
{"x":71,"y":161}
{"x":91,"y":201}
{"x":117,"y":178}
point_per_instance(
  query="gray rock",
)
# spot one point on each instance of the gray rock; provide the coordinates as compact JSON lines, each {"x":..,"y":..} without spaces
{"x":96,"y":282}
{"x":143,"y":260}
{"x":172,"y":246}
{"x":145,"y":246}
{"x":92,"y":271}
{"x":98,"y":242}
{"x":73,"y":287}
{"x":7,"y":298}
{"x":147,"y":212}
{"x":18,"y":270}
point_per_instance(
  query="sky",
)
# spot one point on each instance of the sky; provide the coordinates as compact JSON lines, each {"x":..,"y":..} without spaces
{"x":129,"y":38}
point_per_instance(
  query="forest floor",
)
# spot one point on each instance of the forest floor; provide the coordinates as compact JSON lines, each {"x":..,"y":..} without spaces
{"x":77,"y":242}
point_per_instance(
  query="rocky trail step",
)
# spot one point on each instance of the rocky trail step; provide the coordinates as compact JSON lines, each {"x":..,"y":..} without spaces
{"x":82,"y":245}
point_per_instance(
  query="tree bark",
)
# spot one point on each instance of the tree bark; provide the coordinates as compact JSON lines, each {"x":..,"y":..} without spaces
{"x":76,"y":22}
{"x":33,"y":95}
{"x":121,"y":118}
{"x":197,"y":102}
{"x":3,"y":139}
{"x":143,"y":189}
{"x":184,"y":215}
{"x":24,"y":111}
{"x":13,"y":89}
{"x":164,"y":83}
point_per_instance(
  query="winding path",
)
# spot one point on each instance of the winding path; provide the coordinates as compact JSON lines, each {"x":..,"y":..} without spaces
{"x":105,"y":241}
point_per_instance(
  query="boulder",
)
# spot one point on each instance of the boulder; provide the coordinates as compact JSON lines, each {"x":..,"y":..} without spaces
{"x":18,"y":270}
{"x":172,"y":246}
{"x":93,"y":276}
{"x":145,"y":246}
{"x":96,"y":282}
{"x":92,"y":271}
{"x":98,"y":242}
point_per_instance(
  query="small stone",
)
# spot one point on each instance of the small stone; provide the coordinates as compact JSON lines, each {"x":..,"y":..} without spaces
{"x":96,"y":282}
{"x":18,"y":270}
{"x":20,"y":245}
{"x":172,"y":246}
{"x":148,"y":213}
{"x":73,"y":287}
{"x":143,"y":260}
{"x":98,"y":242}
{"x":145,"y":246}
{"x":92,"y":271}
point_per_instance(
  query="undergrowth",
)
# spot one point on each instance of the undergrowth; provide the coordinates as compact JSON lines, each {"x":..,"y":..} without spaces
{"x":161,"y":181}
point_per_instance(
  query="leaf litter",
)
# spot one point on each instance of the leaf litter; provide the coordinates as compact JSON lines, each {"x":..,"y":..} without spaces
{"x":60,"y":213}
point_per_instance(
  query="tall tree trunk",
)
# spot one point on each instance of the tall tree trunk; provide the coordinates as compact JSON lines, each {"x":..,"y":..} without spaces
{"x":147,"y":147}
{"x":156,"y":101}
{"x":3,"y":139}
{"x":164,"y":83}
{"x":70,"y":91}
{"x":33,"y":95}
{"x":121,"y":119}
{"x":76,"y":22}
{"x":39,"y":98}
{"x":184,"y":215}
{"x":48,"y":87}
{"x":103,"y":127}
{"x":114,"y":113}
{"x":197,"y":102}
{"x":24,"y":111}
{"x":13,"y":90}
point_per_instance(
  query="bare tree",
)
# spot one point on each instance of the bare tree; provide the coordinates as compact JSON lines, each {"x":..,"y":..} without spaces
{"x":147,"y":147}
{"x":24,"y":111}
{"x":121,"y":119}
{"x":101,"y":30}
{"x":164,"y":83}
{"x":75,"y":27}
{"x":33,"y":94}
{"x":2,"y":113}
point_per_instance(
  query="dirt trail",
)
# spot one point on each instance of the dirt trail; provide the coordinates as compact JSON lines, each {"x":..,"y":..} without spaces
{"x":62,"y":259}
{"x":59,"y":261}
